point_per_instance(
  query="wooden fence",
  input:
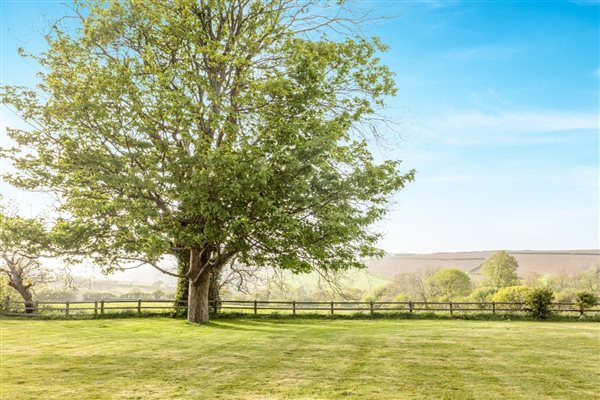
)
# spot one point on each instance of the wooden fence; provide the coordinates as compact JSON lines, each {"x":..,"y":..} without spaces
{"x":102,"y":307}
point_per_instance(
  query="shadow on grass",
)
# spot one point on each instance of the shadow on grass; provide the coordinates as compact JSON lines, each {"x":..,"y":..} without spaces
{"x":286,"y":318}
{"x":280,"y":318}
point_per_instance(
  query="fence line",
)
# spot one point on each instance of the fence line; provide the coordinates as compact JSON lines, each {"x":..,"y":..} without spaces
{"x":101,"y":307}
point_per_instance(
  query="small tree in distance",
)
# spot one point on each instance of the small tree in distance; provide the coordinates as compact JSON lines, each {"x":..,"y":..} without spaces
{"x":449,"y":284}
{"x":500,"y":270}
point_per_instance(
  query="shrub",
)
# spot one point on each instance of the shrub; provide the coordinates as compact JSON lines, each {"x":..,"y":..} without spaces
{"x":585,"y":301}
{"x":538,"y":302}
{"x":566,"y":295}
{"x":511,"y":294}
{"x":403,"y":297}
{"x":375,"y":294}
{"x":482,"y":294}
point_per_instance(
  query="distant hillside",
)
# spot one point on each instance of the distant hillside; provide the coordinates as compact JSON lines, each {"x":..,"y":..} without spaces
{"x":121,"y":286}
{"x":542,"y":262}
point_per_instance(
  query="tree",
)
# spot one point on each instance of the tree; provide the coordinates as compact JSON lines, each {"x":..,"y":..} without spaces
{"x":183,"y":283}
{"x":221,"y":129}
{"x":500,"y":270}
{"x":589,"y":280}
{"x":419,"y":282}
{"x":450,"y":283}
{"x":22,"y":243}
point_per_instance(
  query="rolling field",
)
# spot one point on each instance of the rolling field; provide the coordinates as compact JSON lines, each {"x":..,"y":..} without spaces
{"x":542,"y":262}
{"x":163,"y":358}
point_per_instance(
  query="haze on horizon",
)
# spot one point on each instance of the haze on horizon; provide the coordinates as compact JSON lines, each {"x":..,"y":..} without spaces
{"x":499,"y":114}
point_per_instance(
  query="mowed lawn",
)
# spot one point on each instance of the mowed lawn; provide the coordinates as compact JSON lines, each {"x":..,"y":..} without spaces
{"x":163,"y":358}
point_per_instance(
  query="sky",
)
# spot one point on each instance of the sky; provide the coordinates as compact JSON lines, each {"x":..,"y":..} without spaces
{"x":497,"y":110}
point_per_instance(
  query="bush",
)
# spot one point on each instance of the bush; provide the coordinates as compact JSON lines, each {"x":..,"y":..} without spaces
{"x":93,"y":296}
{"x":567,"y":295}
{"x":402,"y":297}
{"x":482,"y":294}
{"x":47,"y":294}
{"x":585,"y":301}
{"x":375,"y":294}
{"x":511,"y":294}
{"x":538,"y":302}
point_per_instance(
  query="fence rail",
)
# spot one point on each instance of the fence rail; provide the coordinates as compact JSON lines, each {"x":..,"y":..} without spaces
{"x":101,"y":307}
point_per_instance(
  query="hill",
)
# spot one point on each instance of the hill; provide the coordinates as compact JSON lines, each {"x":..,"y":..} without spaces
{"x":543,"y":262}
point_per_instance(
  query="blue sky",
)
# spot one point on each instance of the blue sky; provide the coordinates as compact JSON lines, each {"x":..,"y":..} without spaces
{"x":499,"y":111}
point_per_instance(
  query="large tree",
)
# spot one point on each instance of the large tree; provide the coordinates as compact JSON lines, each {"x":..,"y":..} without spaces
{"x":220,"y":129}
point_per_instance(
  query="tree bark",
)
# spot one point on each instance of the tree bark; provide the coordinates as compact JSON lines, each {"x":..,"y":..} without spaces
{"x":183,"y":282}
{"x":17,"y":273}
{"x":213,"y":291}
{"x":26,"y":294}
{"x":198,"y":299}
{"x":199,"y":278}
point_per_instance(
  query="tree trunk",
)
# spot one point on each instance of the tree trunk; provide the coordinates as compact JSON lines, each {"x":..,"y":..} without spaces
{"x":213,"y":291}
{"x":30,"y":307}
{"x":198,"y":299}
{"x":183,"y":283}
{"x":26,"y":294}
{"x":199,"y":278}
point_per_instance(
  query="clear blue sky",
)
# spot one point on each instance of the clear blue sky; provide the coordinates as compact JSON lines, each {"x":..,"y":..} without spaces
{"x":499,"y":103}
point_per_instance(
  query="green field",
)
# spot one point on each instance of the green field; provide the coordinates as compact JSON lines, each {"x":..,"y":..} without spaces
{"x":163,"y":358}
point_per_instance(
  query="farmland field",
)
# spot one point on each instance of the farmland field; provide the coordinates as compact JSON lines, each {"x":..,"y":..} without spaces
{"x":163,"y":358}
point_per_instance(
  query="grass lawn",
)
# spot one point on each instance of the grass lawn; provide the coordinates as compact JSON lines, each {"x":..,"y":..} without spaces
{"x":163,"y":358}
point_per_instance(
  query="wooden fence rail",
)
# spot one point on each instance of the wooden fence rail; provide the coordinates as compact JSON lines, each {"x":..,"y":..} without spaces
{"x":101,"y":307}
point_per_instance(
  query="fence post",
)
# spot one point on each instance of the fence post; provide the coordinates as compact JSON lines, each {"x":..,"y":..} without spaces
{"x":139,"y":306}
{"x":67,"y":308}
{"x":371,"y":307}
{"x":451,"y":309}
{"x":6,"y":305}
{"x":255,"y":307}
{"x":493,"y":307}
{"x":37,"y":306}
{"x":96,"y":308}
{"x":294,"y":307}
{"x":102,"y":307}
{"x":332,"y":308}
{"x":410,"y":306}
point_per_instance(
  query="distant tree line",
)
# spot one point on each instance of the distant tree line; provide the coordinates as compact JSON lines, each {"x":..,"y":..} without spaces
{"x":498,"y":281}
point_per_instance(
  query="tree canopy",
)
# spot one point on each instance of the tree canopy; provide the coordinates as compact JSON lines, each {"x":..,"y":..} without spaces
{"x":500,"y":270}
{"x":449,"y":283}
{"x":228,"y":129}
{"x":23,"y":242}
